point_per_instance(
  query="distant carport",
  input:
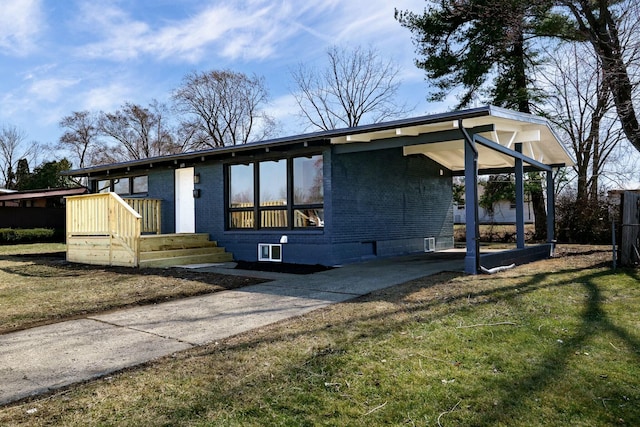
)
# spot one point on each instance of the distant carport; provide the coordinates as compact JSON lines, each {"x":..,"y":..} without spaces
{"x":479,"y":141}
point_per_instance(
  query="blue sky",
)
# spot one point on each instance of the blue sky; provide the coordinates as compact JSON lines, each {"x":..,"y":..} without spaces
{"x":60,"y":56}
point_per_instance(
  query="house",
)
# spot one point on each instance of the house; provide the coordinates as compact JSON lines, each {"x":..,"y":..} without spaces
{"x":35,"y":208}
{"x":504,"y":212}
{"x":330,"y":197}
{"x":50,"y":197}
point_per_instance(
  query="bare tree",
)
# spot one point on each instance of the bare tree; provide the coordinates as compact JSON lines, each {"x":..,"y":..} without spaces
{"x":581,"y":106}
{"x":356,"y":87}
{"x":138,"y":133}
{"x":12,"y":149}
{"x":80,"y":135}
{"x":224,"y":107}
{"x":612,"y":30}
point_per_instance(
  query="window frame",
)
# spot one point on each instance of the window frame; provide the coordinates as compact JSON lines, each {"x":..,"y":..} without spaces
{"x":262,"y":208}
{"x":112,"y":181}
{"x":229,"y":210}
{"x":258,"y":209}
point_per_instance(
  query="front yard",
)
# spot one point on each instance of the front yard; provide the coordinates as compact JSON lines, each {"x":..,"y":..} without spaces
{"x":555,"y":342}
{"x":37,"y":286}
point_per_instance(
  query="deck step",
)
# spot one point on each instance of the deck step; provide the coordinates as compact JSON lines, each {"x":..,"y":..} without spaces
{"x":161,"y":242}
{"x":206,"y":250}
{"x":187,"y":259}
{"x":166,"y":250}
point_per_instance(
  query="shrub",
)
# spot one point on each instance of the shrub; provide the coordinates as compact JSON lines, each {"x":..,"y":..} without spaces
{"x":586,"y":222}
{"x":31,"y":235}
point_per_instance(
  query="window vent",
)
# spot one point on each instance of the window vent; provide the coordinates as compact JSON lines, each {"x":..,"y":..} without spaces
{"x":269,"y":252}
{"x":429,"y":244}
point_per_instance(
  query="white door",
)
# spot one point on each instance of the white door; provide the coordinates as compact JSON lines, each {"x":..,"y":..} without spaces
{"x":185,"y":203}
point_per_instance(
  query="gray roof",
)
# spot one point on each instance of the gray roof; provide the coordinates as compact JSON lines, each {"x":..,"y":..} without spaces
{"x":365,"y":133}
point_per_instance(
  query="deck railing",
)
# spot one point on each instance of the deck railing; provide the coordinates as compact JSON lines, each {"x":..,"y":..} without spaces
{"x":150,"y":211}
{"x":102,"y":229}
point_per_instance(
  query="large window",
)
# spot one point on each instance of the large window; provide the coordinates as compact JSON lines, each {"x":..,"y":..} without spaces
{"x":241,"y":196}
{"x":308,"y":191}
{"x":124,"y":186}
{"x":282,"y":193}
{"x":273,"y":194}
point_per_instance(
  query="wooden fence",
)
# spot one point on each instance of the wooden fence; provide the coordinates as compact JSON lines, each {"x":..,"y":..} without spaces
{"x":269,"y":218}
{"x":630,"y":235}
{"x":102,"y":229}
{"x":18,"y":217}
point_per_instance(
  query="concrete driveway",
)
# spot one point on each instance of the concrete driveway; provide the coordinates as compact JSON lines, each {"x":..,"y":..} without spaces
{"x":43,"y":359}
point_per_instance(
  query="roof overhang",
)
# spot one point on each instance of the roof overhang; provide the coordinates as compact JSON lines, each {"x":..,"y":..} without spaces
{"x":442,"y":139}
{"x":437,"y":136}
{"x":42,"y":194}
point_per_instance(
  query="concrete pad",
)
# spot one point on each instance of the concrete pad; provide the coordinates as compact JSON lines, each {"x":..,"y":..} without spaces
{"x":364,"y":278}
{"x":204,"y":319}
{"x":45,"y":358}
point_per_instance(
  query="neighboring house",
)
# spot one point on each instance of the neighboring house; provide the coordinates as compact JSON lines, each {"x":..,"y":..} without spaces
{"x":49,"y":198}
{"x":35,"y":208}
{"x":614,"y":197}
{"x":504,"y":212}
{"x":331,"y":197}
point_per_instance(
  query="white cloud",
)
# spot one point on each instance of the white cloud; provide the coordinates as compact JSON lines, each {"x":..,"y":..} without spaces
{"x":105,"y":98}
{"x":247,"y":30}
{"x":20,"y":22}
{"x":234,"y":32}
{"x":284,"y":109}
{"x":50,"y":89}
{"x":121,"y":35}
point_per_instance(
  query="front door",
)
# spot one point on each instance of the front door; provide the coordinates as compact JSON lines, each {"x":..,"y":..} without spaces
{"x":185,"y":203}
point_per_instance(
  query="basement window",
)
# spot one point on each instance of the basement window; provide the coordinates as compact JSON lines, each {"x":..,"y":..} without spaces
{"x":269,"y":252}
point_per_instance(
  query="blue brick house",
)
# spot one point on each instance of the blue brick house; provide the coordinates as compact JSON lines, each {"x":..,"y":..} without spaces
{"x":339,"y":196}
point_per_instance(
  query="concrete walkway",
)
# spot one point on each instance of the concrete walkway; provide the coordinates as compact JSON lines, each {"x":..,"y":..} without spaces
{"x":43,"y":359}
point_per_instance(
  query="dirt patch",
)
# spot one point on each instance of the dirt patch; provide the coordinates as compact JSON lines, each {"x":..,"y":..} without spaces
{"x":282,"y":267}
{"x":45,"y":288}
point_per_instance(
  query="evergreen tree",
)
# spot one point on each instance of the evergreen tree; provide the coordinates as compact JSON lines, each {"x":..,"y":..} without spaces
{"x":484,"y":47}
{"x":23,"y":175}
{"x":47,"y":175}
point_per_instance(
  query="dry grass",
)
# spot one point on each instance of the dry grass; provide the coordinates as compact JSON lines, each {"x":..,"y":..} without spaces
{"x":554,"y":342}
{"x":37,"y":286}
{"x":494,"y":233}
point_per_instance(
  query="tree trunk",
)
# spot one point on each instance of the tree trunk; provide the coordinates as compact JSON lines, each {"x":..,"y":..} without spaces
{"x":602,"y":32}
{"x":535,"y":187}
{"x":539,"y":210}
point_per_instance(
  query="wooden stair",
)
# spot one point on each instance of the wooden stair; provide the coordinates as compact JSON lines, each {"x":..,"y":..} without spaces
{"x":167,"y":250}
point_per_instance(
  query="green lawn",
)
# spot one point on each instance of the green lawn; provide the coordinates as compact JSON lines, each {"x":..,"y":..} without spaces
{"x":555,"y":342}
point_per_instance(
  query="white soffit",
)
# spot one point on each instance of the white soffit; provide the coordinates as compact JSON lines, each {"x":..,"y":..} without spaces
{"x":537,"y":139}
{"x":390,"y":133}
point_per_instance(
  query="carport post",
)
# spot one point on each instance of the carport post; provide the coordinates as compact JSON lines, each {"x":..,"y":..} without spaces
{"x":519,"y":170}
{"x":551,"y":207}
{"x":472,"y":259}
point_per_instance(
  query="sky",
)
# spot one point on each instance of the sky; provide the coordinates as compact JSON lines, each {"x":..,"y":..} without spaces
{"x":61,"y":56}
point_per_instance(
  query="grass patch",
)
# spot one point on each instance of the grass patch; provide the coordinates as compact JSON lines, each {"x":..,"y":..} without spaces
{"x":554,"y":342}
{"x":493,"y":233}
{"x":32,"y":248}
{"x":38,"y":286}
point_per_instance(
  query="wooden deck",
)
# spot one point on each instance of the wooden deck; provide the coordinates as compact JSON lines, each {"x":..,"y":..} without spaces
{"x":104,"y":229}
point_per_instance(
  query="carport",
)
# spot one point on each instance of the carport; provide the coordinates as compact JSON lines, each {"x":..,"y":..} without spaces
{"x":480,"y":141}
